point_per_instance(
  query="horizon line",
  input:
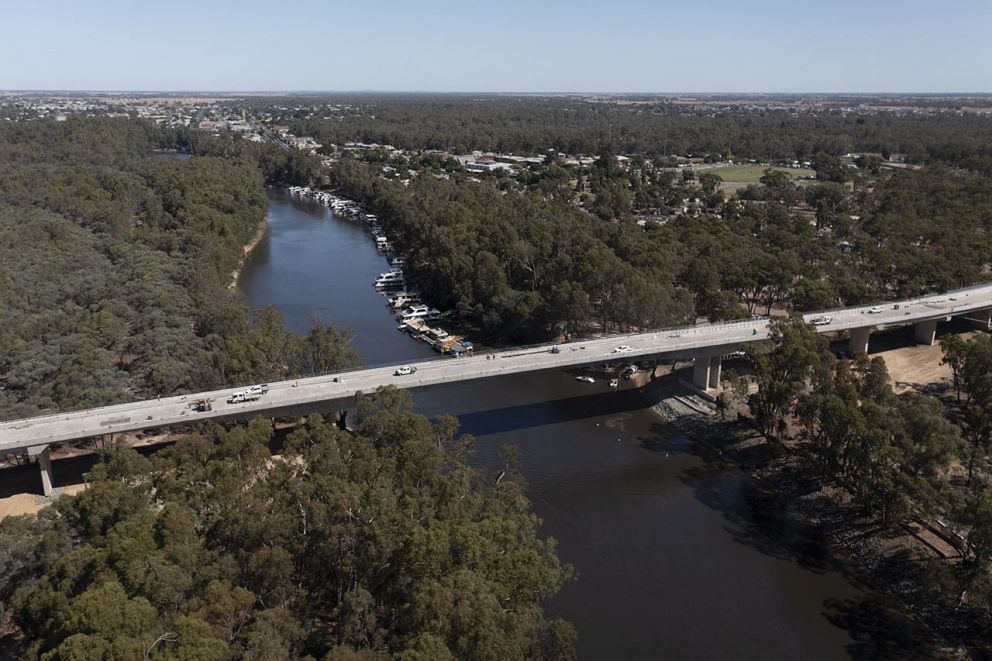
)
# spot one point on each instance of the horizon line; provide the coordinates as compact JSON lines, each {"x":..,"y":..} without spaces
{"x":485,"y":92}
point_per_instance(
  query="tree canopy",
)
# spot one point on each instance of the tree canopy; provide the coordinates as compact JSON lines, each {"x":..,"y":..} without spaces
{"x":381,"y":543}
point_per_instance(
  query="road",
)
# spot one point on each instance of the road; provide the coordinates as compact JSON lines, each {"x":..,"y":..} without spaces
{"x":687,"y":342}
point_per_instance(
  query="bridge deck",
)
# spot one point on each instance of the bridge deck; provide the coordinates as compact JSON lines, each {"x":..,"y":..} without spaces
{"x":710,"y":339}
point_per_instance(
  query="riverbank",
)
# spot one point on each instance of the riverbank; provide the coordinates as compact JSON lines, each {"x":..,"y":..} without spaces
{"x":907,"y":614}
{"x":255,"y":240}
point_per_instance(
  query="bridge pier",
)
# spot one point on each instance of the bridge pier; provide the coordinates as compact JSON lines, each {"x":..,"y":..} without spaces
{"x":981,"y":319}
{"x":716,"y":367}
{"x":44,"y":454}
{"x":701,"y":372}
{"x":858,"y":343}
{"x":706,"y":372}
{"x":925,"y":332}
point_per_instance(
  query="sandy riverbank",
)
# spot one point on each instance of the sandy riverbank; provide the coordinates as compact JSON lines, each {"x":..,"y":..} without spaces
{"x":255,"y":240}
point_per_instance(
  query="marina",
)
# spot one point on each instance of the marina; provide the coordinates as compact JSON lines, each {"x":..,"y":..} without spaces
{"x":401,"y":296}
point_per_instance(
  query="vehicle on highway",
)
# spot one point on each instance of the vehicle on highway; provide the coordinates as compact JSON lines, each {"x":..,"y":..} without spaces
{"x":556,"y":349}
{"x":821,"y":321}
{"x":405,"y":370}
{"x":585,"y":379}
{"x":623,"y":348}
{"x":674,"y":335}
{"x":614,"y":383}
{"x":259,"y":390}
{"x":202,"y":405}
{"x":875,"y":309}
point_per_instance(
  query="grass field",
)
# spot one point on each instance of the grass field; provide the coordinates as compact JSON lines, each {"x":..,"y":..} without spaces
{"x":750,"y":174}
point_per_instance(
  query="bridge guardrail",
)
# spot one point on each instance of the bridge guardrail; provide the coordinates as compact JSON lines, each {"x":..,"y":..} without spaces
{"x":681,"y":330}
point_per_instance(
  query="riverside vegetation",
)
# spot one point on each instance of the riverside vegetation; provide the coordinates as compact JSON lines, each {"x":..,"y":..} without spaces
{"x":115,"y":269}
{"x":370,"y":545}
{"x":362,"y":545}
{"x":899,"y":459}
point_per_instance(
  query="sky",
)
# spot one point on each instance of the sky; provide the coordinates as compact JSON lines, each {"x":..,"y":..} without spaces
{"x":498,"y":45}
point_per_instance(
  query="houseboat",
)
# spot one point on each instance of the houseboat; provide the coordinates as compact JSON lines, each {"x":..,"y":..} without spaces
{"x":390,"y":280}
{"x":419,"y":312}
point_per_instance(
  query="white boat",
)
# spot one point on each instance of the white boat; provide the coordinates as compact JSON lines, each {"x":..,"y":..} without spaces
{"x":614,"y":383}
{"x":585,"y":379}
{"x":402,"y":299}
{"x":392,"y":279}
{"x":421,"y":312}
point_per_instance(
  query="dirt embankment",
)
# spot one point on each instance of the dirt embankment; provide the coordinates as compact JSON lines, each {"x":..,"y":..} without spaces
{"x":255,"y":240}
{"x":917,"y":367}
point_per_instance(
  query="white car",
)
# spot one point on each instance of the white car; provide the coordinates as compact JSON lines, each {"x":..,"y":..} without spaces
{"x":623,"y":348}
{"x":404,"y":371}
{"x":821,"y":321}
{"x":875,"y":309}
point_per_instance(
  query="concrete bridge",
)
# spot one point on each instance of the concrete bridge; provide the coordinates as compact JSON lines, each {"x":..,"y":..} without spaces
{"x":705,"y":344}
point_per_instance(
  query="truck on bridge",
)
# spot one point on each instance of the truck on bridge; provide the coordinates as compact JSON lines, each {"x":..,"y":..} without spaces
{"x":250,"y":394}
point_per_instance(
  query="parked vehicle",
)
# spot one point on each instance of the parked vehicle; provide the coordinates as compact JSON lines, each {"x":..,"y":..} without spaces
{"x":250,"y":394}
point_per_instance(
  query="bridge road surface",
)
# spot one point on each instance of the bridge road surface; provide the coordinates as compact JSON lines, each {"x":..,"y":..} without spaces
{"x":693,"y":341}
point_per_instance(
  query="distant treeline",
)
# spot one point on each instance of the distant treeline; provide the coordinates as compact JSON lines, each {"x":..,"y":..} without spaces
{"x":528,"y":125}
{"x":115,"y":266}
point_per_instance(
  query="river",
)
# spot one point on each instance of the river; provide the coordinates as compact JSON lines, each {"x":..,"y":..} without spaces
{"x":675,"y":555}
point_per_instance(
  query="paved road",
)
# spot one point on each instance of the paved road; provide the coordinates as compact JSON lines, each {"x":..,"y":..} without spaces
{"x":711,"y":339}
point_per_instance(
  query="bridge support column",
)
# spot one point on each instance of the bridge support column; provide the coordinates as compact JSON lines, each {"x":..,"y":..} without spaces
{"x":44,"y":454}
{"x":981,"y":319}
{"x":925,"y":332}
{"x":859,"y":340}
{"x":716,"y":366}
{"x":701,"y":372}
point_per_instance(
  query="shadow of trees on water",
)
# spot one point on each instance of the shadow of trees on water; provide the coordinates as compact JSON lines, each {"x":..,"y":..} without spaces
{"x":764,"y":515}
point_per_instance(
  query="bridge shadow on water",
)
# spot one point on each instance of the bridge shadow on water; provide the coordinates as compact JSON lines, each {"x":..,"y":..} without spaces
{"x":549,"y":412}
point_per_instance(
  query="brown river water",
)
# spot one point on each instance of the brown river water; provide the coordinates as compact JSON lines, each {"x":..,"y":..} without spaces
{"x":675,"y":555}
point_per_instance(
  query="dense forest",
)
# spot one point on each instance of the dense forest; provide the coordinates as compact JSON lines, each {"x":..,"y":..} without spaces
{"x":116,"y":268}
{"x":528,"y":125}
{"x":522,"y":260}
{"x":346,"y":546}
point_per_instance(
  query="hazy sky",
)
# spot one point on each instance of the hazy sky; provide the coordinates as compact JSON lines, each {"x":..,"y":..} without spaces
{"x":499,"y":45}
